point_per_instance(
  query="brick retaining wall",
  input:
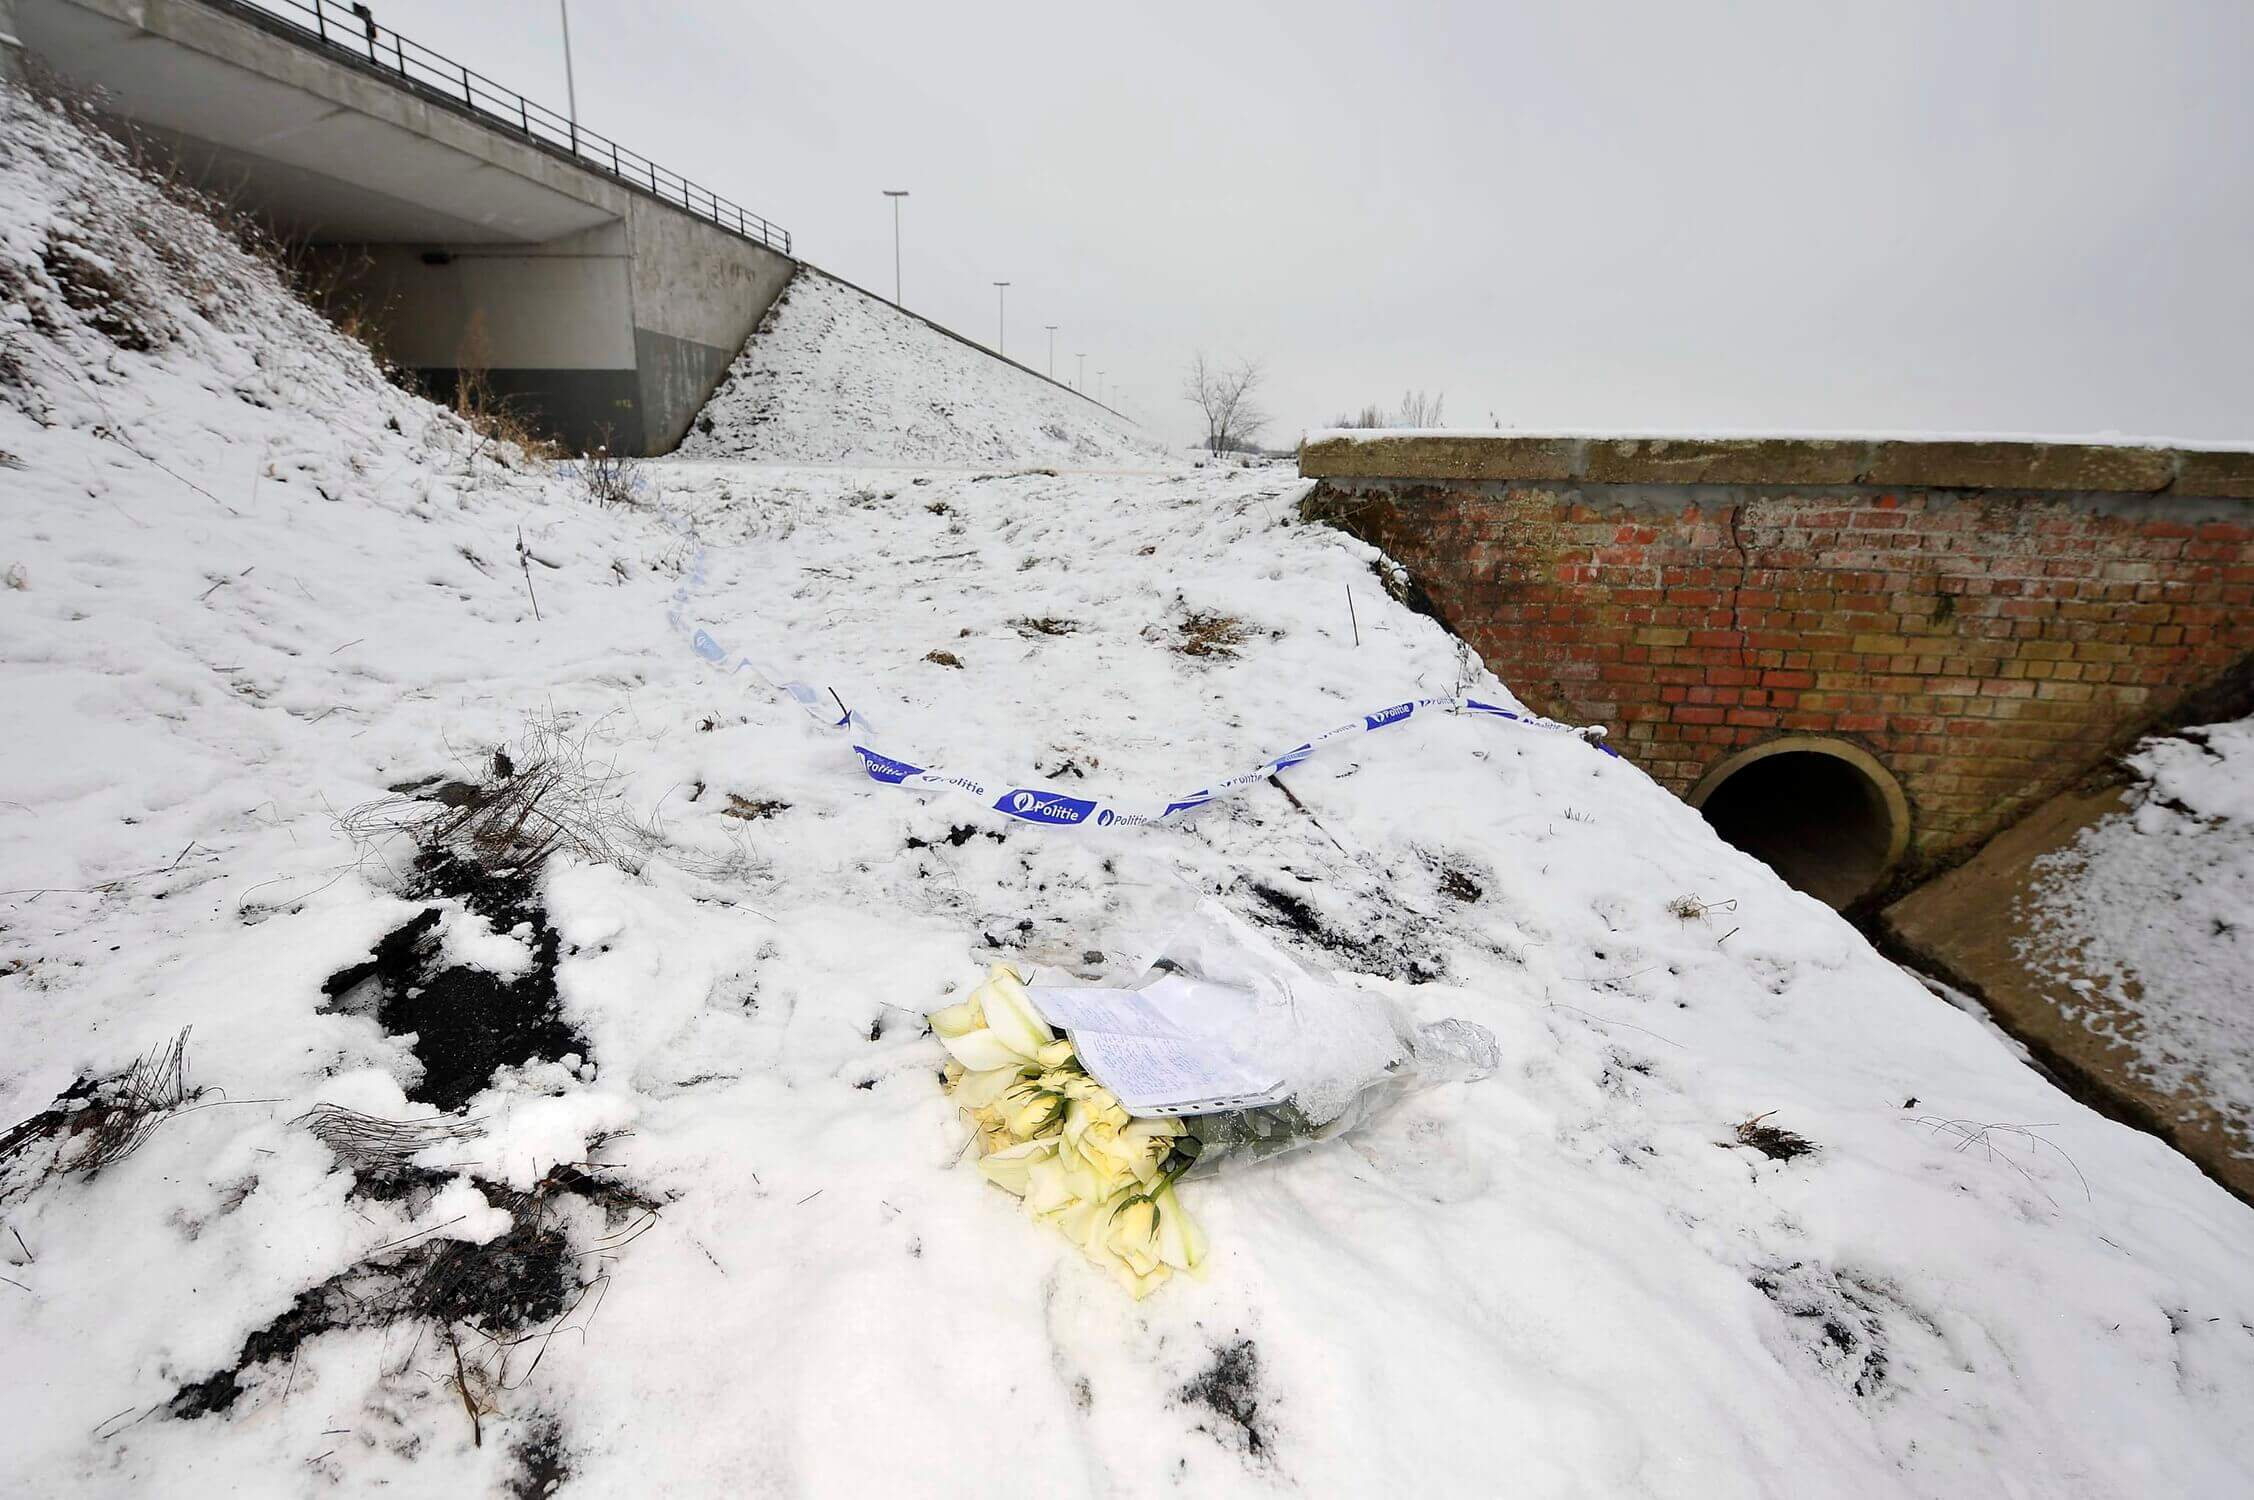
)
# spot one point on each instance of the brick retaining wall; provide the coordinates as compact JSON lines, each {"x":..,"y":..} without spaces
{"x":1986,"y":643}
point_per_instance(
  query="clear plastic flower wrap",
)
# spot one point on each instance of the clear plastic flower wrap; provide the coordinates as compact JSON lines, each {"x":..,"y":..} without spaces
{"x":1343,"y":1052}
{"x":1445,"y":1051}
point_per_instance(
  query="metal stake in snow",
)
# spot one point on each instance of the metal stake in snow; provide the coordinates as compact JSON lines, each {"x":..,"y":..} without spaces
{"x":524,"y":559}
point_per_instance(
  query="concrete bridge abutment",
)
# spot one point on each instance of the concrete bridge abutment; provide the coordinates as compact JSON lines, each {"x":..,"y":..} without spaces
{"x":602,"y":309}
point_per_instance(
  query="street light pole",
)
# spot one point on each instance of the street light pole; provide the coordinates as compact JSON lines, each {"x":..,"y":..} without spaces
{"x":571,"y":85}
{"x":1052,"y":349}
{"x":1081,"y":385}
{"x":896,"y":194}
{"x":1002,"y":318}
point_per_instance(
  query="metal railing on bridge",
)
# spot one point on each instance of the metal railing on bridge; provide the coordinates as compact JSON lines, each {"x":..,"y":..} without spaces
{"x":352,"y":34}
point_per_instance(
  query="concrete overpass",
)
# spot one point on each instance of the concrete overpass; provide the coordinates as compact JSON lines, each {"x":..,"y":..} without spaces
{"x":480,"y":231}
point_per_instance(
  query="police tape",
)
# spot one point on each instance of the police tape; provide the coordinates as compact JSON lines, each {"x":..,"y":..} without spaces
{"x":1048,"y":806}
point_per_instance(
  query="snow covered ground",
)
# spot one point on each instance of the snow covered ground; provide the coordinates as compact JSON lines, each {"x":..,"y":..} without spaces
{"x":2150,"y":915}
{"x":253,"y":589}
{"x":837,"y":376}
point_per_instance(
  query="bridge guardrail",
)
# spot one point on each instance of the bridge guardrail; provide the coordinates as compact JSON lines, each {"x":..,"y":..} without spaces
{"x":354,"y":36}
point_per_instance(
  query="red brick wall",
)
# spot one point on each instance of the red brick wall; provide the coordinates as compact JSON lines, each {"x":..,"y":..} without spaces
{"x":1987,"y":646}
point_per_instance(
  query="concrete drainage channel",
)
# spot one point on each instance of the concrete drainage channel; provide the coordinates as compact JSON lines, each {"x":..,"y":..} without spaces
{"x":1962,"y":935}
{"x":1832,"y":830}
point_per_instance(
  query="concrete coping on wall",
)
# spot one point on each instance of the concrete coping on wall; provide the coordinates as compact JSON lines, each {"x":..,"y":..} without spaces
{"x":1890,"y":463}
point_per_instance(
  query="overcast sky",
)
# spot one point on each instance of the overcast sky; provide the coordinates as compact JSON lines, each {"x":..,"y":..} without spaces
{"x":1972,"y":216}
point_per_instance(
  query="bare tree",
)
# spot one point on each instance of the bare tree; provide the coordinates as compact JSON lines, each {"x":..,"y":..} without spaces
{"x":1417,"y":410}
{"x":1420,"y":410}
{"x":1224,"y":395}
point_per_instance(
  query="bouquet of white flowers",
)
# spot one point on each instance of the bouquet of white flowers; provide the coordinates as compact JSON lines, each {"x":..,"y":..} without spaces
{"x":1049,"y":1130}
{"x":1063,"y":1143}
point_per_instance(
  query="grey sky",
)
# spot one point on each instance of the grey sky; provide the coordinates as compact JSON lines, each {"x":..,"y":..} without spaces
{"x":1973,"y":216}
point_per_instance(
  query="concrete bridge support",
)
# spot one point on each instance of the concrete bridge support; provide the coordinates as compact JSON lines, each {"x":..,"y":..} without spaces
{"x":11,"y":45}
{"x":473,"y":249}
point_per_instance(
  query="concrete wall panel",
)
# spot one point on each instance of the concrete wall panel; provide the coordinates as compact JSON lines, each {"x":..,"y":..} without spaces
{"x":698,"y":293}
{"x":498,"y":308}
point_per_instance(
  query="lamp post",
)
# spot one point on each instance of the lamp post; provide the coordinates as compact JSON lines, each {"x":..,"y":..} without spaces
{"x":1081,"y":385}
{"x":571,"y":85}
{"x":896,"y":194}
{"x":1052,"y":349}
{"x":1002,"y":318}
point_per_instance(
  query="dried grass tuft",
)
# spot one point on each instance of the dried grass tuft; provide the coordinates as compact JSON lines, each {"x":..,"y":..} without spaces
{"x":371,"y":1144}
{"x":97,"y":1122}
{"x":551,"y":795}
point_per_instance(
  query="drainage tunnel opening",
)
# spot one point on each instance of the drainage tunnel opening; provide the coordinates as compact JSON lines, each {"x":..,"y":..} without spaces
{"x":1821,"y":820}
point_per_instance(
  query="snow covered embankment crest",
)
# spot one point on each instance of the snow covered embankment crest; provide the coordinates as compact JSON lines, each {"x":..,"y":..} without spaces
{"x":836,"y":376}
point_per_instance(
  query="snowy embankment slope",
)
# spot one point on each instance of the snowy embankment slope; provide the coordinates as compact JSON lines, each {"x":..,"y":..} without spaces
{"x":258,"y":587}
{"x":836,"y":376}
{"x":2150,"y":915}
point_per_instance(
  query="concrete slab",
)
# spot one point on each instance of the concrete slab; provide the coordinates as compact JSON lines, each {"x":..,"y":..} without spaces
{"x":1968,"y":925}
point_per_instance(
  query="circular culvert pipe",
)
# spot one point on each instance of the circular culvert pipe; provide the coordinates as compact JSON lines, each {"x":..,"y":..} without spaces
{"x":1822,"y":813}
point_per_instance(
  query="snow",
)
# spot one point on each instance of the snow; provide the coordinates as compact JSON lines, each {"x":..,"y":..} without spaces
{"x":264,"y":588}
{"x":2149,"y":915}
{"x":1738,"y":434}
{"x":837,"y":376}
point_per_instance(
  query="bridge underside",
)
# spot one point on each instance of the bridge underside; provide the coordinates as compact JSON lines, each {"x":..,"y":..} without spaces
{"x":474,"y":255}
{"x":1860,"y":659}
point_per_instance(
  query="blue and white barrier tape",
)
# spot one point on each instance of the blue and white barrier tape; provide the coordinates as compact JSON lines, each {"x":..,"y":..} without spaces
{"x":1041,"y":804}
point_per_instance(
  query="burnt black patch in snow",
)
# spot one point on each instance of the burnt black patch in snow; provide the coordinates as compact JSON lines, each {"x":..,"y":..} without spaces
{"x":1373,"y":953}
{"x":1457,"y":884}
{"x":957,"y":836}
{"x":316,"y":1310}
{"x":401,"y":1182}
{"x":542,"y":1466}
{"x":522,"y":1283}
{"x":1229,"y":1391}
{"x":466,"y":1022}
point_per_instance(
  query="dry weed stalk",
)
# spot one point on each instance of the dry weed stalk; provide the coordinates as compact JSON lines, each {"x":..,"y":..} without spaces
{"x":371,"y":1144}
{"x":550,"y":795}
{"x":98,"y":1122}
{"x":1970,"y":1133}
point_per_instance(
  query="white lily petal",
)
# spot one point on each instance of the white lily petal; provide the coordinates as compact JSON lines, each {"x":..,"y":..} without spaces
{"x":1010,"y":1011}
{"x":981,"y":1050}
{"x":954,"y":1020}
{"x":1010,"y":1014}
{"x":1181,"y":1242}
{"x":974,"y":1091}
{"x":1012,"y":1167}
